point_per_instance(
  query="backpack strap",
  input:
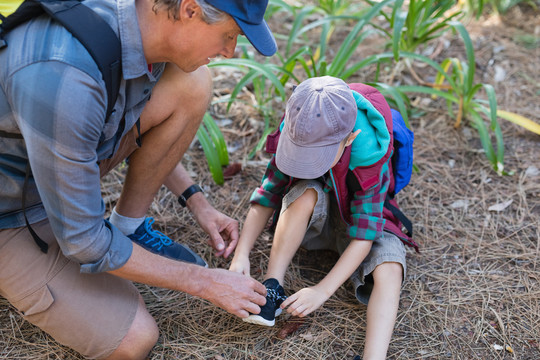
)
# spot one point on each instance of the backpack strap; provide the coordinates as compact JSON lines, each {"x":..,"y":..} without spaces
{"x":399,"y":215}
{"x":44,"y":247}
{"x":93,"y":33}
{"x":97,"y":37}
{"x":84,"y":24}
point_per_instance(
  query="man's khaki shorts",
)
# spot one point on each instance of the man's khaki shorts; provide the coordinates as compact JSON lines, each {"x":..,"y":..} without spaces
{"x":327,"y":231}
{"x":90,"y":313}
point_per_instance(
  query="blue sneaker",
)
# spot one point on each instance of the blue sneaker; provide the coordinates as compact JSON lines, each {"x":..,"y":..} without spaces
{"x":158,"y":243}
{"x":275,"y":295}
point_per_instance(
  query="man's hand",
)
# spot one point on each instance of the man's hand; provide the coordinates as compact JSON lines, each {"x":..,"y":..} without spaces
{"x":223,"y":230}
{"x":240,"y":264}
{"x":237,"y":294}
{"x":305,"y":301}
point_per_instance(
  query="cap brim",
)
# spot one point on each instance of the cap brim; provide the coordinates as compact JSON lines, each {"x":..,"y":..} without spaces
{"x":260,"y":36}
{"x":304,"y":162}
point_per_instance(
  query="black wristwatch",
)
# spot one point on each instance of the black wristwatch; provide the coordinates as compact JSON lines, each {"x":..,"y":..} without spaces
{"x":182,"y":199}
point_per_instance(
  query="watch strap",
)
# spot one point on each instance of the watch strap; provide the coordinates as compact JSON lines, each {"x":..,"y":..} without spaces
{"x":193,"y":189}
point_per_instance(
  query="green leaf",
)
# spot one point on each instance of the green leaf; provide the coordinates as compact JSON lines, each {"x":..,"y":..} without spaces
{"x":297,"y":25}
{"x":428,"y":90}
{"x":480,"y":126}
{"x":211,"y":155}
{"x":261,"y":142}
{"x":470,"y":53}
{"x":399,"y":20}
{"x":240,"y":85}
{"x":398,"y":99}
{"x":217,"y":138}
{"x":344,"y":52}
{"x":264,"y":69}
{"x":433,"y":64}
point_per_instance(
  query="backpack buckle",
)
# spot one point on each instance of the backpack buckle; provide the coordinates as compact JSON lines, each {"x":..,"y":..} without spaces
{"x":3,"y":43}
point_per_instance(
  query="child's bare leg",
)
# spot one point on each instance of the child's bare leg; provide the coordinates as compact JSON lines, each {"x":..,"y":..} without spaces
{"x":290,"y":231}
{"x":382,"y":309}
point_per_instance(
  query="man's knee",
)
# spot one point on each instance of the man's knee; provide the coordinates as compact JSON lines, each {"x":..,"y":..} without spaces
{"x":192,"y":89}
{"x":178,"y":95}
{"x":141,"y":337}
{"x":196,"y":86}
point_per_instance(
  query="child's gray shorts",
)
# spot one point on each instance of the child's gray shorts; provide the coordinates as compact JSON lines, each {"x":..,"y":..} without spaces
{"x":326,"y":230}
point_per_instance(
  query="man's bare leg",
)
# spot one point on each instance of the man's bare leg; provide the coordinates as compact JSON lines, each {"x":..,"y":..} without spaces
{"x":141,"y":337}
{"x":169,"y":123}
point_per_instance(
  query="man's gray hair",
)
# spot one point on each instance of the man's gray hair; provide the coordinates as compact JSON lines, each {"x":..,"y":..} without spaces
{"x":210,"y":14}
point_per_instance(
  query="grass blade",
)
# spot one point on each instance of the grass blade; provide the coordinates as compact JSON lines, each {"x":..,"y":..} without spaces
{"x":217,"y":138}
{"x":470,"y":53}
{"x":520,"y":120}
{"x":399,"y":17}
{"x":212,"y":157}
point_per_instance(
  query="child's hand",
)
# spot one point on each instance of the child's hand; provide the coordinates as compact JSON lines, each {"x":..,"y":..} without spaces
{"x":305,"y":301}
{"x":240,"y":264}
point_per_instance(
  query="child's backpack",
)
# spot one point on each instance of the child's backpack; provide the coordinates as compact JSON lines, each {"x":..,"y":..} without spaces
{"x":402,"y":159}
{"x":402,"y":165}
{"x":91,"y":30}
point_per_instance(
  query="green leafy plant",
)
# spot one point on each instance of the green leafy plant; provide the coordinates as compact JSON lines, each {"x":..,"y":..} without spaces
{"x":315,"y":61}
{"x":414,"y":24}
{"x":214,"y":147}
{"x":265,"y":85}
{"x":267,"y":80}
{"x":455,"y":83}
{"x":477,"y":7}
{"x":472,"y":7}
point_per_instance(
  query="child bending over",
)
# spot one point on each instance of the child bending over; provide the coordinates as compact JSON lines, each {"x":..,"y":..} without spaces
{"x":326,"y":186}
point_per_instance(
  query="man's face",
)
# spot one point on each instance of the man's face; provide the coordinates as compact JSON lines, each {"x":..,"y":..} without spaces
{"x":198,"y":42}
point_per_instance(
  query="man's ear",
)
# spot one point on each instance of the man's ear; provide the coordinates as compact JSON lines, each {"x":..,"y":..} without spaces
{"x":352,"y":136}
{"x":188,"y":9}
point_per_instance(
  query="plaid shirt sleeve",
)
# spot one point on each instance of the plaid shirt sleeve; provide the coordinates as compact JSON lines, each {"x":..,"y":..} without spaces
{"x":367,"y":209}
{"x":273,"y":186}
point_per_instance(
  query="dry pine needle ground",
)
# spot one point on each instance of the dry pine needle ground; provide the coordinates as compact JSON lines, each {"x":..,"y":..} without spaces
{"x":472,"y":293}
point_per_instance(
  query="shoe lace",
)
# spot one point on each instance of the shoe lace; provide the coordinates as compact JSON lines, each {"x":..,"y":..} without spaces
{"x":155,"y":238}
{"x":274,"y":295}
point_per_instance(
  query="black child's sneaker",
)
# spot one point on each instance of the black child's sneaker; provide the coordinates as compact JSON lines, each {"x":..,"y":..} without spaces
{"x":156,"y":242}
{"x":275,"y":295}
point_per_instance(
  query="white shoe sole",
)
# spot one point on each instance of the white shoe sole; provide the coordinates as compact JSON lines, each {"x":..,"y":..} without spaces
{"x":259,"y":320}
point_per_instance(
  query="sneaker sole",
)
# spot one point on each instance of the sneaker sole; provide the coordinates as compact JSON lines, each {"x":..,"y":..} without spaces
{"x":259,"y":320}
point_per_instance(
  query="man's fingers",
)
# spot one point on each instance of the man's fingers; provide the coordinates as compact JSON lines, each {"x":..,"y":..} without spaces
{"x":242,"y":314}
{"x":217,"y":241}
{"x":252,"y":308}
{"x":260,"y":289}
{"x":229,"y":250}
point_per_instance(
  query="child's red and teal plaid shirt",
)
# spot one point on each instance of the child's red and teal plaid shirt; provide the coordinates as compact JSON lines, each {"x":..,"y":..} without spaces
{"x":367,"y":222}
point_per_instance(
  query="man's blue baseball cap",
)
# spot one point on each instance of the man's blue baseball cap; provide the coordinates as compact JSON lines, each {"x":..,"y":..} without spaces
{"x":249,"y":15}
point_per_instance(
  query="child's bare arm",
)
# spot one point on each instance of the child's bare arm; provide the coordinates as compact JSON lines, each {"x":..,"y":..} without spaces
{"x":256,"y":220}
{"x":310,"y":299}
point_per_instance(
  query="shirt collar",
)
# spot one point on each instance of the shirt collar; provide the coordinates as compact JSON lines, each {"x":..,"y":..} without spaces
{"x":133,"y":61}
